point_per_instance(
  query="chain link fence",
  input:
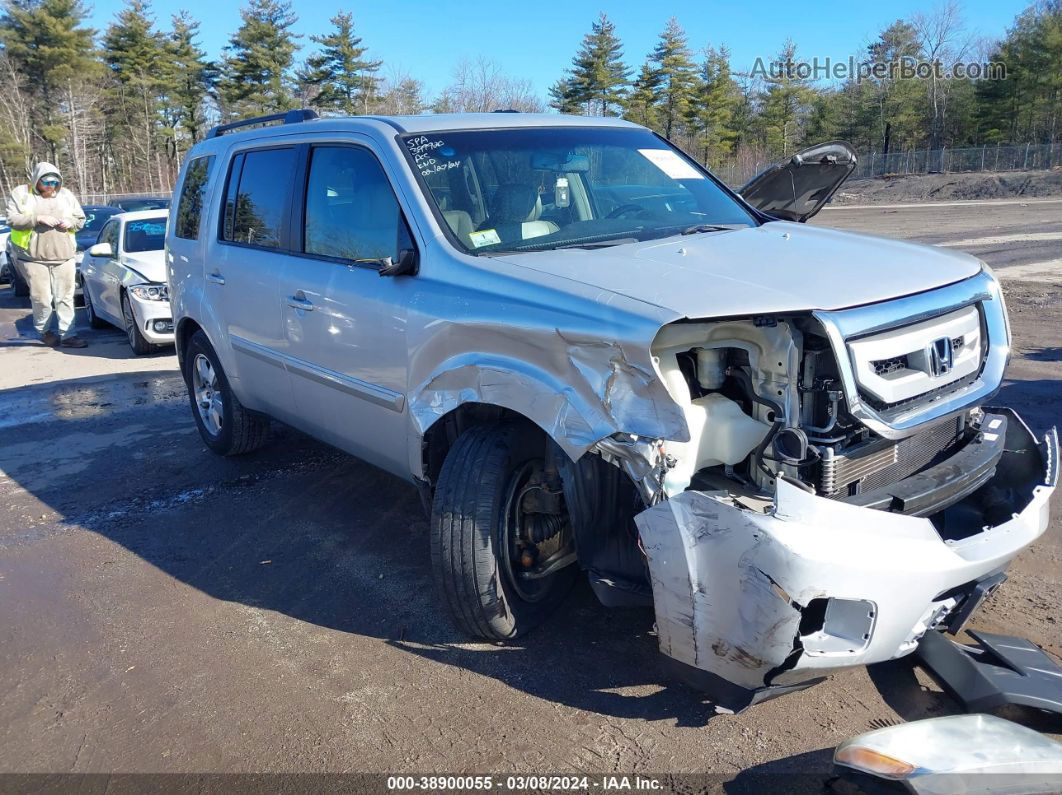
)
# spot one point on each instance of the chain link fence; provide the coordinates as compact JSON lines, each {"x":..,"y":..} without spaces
{"x":108,"y":199}
{"x":1021,"y":157}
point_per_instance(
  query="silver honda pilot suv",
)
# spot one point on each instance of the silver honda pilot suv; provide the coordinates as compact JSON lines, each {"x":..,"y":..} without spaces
{"x":592,"y":356}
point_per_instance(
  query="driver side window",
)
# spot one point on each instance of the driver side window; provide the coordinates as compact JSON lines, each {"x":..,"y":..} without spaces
{"x":110,"y":235}
{"x":351,"y":211}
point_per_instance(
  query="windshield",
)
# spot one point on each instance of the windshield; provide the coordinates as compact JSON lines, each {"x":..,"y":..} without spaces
{"x":145,"y":235}
{"x":534,"y":189}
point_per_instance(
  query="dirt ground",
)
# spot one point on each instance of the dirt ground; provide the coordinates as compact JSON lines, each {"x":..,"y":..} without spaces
{"x":952,"y":187}
{"x":164,"y":610}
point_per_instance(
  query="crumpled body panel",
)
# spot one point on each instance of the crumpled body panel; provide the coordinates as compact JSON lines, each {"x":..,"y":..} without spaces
{"x":731,"y":585}
{"x":576,"y":386}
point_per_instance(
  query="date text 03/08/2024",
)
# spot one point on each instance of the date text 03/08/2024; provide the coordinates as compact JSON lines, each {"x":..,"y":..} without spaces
{"x":523,"y":782}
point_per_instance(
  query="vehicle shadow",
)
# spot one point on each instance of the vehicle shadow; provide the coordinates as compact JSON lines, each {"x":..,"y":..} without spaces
{"x":306,"y":531}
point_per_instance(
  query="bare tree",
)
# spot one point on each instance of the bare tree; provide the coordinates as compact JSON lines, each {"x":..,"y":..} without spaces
{"x":16,"y":129}
{"x":481,"y":86}
{"x":399,"y":94}
{"x":942,"y":35}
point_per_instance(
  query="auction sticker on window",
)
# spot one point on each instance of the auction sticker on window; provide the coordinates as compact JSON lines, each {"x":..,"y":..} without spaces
{"x":670,"y":163}
{"x":485,"y":237}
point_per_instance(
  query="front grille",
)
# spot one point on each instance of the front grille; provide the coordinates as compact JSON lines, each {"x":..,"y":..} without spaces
{"x":886,"y":366}
{"x":872,"y":465}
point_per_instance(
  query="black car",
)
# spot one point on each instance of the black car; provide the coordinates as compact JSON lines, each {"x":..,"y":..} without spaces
{"x":143,"y":203}
{"x":95,"y":217}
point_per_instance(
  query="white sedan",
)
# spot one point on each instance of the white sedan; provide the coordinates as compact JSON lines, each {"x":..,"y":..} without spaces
{"x":124,"y":279}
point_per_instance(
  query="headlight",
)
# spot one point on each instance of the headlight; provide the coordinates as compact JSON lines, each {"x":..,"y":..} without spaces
{"x":151,"y":292}
{"x":958,"y":754}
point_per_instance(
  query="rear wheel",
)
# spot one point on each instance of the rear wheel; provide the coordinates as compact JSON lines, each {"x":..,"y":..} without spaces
{"x":18,"y":284}
{"x":501,"y":540}
{"x":225,"y":425}
{"x":94,"y":320}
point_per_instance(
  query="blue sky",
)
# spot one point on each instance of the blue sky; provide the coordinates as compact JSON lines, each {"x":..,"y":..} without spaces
{"x":536,"y":40}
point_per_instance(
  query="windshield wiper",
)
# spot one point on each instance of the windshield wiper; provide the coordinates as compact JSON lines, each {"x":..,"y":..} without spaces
{"x":696,"y":228}
{"x":619,"y":241}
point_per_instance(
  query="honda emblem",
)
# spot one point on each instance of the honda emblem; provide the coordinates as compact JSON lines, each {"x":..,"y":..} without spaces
{"x":941,"y":356}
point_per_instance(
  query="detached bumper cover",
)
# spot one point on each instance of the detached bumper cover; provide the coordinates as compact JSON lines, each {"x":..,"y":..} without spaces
{"x":770,"y":600}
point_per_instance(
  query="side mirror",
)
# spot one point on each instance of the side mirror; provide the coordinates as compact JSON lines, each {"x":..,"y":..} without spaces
{"x":405,"y":265}
{"x":101,"y":250}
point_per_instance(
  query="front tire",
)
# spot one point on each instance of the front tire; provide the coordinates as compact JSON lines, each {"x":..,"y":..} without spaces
{"x":137,"y":341}
{"x":472,"y":552}
{"x":225,"y":426}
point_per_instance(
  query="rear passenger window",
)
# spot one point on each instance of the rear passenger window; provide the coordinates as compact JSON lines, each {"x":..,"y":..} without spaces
{"x":351,"y":211}
{"x":257,"y":198}
{"x":190,"y":205}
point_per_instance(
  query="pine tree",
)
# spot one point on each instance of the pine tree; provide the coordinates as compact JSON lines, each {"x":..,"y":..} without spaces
{"x":51,"y":51}
{"x":344,"y":80}
{"x":562,"y":97}
{"x":599,"y":78}
{"x":714,"y":103}
{"x":784,"y":103}
{"x":644,"y":99}
{"x":134,"y":54}
{"x":257,"y":66}
{"x":190,"y":78}
{"x":677,"y":75}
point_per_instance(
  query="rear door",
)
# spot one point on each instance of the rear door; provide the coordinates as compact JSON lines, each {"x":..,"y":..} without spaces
{"x":344,"y":323}
{"x":798,"y":188}
{"x":242,"y":273}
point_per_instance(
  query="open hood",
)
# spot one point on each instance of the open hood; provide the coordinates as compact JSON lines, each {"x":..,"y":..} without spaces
{"x":798,"y":188}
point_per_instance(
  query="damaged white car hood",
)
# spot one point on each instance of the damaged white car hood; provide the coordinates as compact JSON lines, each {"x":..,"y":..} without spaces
{"x":149,"y":264}
{"x":777,"y":267}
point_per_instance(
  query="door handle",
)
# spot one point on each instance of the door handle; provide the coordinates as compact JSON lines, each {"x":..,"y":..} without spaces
{"x":299,"y":301}
{"x":216,"y":278}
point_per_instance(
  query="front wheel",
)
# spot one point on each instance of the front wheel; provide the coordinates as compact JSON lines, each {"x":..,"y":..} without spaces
{"x":137,"y":341}
{"x":501,"y":563}
{"x":225,"y":426}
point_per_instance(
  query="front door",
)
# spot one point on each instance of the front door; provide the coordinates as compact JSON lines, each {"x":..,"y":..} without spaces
{"x":345,"y":323}
{"x":102,"y":276}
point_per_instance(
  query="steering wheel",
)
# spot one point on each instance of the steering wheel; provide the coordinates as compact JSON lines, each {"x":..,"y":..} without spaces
{"x":624,"y":209}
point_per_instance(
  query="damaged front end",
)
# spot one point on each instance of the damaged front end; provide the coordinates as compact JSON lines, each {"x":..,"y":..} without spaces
{"x":754,"y":603}
{"x":840,"y":493}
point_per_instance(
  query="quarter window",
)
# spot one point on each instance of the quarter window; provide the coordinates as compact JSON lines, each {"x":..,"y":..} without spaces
{"x":351,"y":211}
{"x":256,"y":201}
{"x":190,"y":205}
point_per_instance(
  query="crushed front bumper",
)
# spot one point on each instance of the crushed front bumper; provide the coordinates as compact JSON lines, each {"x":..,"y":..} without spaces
{"x":155,"y":320}
{"x":750,"y":604}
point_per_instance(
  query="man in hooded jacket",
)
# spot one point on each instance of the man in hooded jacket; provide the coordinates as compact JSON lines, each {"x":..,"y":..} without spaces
{"x":44,"y":216}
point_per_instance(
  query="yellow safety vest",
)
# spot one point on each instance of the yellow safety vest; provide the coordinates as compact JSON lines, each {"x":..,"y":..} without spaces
{"x":22,"y":237}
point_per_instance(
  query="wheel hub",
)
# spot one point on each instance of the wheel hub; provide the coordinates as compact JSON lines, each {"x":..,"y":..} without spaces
{"x":208,"y":399}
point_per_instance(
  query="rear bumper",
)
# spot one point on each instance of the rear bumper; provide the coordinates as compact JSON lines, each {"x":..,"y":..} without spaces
{"x":754,"y":601}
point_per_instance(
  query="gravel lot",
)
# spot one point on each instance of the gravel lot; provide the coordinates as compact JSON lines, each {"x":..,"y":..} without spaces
{"x":164,"y":610}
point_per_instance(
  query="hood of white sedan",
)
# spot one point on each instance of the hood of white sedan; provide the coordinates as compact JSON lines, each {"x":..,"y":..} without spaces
{"x":149,"y":264}
{"x":777,"y":267}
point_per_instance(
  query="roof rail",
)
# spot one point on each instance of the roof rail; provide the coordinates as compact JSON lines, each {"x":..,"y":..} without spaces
{"x":290,"y":117}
